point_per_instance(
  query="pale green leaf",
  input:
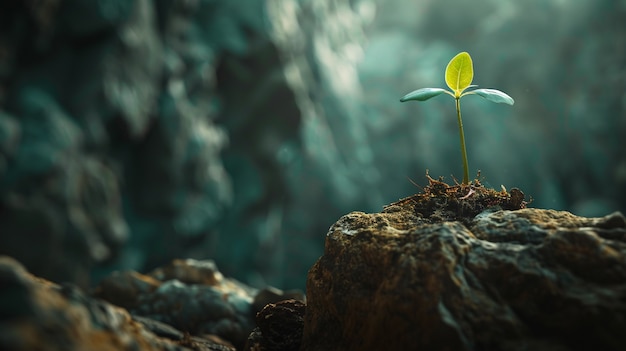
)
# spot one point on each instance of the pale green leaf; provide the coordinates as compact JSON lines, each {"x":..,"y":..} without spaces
{"x":493,"y":95}
{"x":459,"y":73}
{"x":423,"y":94}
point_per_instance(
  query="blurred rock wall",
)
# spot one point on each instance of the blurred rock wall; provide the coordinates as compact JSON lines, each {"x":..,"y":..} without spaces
{"x":133,"y":132}
{"x":110,"y":150}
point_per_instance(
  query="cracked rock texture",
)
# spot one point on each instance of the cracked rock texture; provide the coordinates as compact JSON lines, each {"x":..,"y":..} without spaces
{"x":528,"y":279}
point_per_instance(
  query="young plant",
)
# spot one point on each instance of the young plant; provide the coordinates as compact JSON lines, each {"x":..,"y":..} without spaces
{"x":459,"y":75}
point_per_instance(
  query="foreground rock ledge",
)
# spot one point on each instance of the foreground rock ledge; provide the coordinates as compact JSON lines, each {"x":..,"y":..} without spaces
{"x":182,"y":306}
{"x":528,"y":279}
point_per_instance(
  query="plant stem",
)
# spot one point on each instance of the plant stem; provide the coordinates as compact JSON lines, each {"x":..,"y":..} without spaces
{"x":463,"y":152}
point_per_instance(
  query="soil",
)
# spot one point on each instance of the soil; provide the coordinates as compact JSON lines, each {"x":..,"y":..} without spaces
{"x":441,"y":202}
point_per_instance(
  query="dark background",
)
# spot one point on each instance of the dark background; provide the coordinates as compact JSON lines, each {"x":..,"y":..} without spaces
{"x":137,"y":131}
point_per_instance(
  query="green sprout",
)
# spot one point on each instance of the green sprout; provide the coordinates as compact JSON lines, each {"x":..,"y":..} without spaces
{"x":459,"y":75}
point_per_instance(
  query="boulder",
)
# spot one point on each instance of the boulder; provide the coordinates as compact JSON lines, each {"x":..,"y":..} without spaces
{"x":437,"y":271}
{"x":279,"y":327}
{"x":192,"y":296}
{"x":36,"y":314}
{"x":185,"y":305}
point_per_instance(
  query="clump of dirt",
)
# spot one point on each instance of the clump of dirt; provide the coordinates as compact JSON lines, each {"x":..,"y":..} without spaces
{"x":441,"y":202}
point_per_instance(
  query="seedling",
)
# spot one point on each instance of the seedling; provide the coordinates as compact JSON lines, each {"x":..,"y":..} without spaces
{"x":459,"y":75}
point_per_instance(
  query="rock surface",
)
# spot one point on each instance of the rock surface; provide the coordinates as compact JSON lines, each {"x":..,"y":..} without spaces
{"x":36,"y":314}
{"x":527,"y":279}
{"x":279,"y":327}
{"x":192,"y":296}
{"x":186,"y":305}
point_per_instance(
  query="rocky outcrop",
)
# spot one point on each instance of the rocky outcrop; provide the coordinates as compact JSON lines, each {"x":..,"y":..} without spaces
{"x":36,"y":314}
{"x":526,"y":279}
{"x":186,"y":305}
{"x":192,"y":296}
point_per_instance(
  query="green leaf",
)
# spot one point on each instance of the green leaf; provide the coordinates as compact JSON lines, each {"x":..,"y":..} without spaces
{"x":459,"y":73}
{"x":423,"y":94}
{"x":493,"y":95}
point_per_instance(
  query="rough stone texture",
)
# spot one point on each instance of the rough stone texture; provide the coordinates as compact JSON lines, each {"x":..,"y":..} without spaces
{"x":36,"y":314}
{"x":188,"y":295}
{"x":192,"y":296}
{"x":528,"y":279}
{"x":279,"y":327}
{"x":186,"y":304}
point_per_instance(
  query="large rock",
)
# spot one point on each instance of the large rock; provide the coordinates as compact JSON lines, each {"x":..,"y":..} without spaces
{"x":187,"y":304}
{"x":406,"y":279}
{"x":192,"y":296}
{"x":36,"y":314}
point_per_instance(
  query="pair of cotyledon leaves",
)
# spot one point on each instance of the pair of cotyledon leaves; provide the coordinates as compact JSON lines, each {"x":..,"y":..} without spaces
{"x":459,"y":76}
